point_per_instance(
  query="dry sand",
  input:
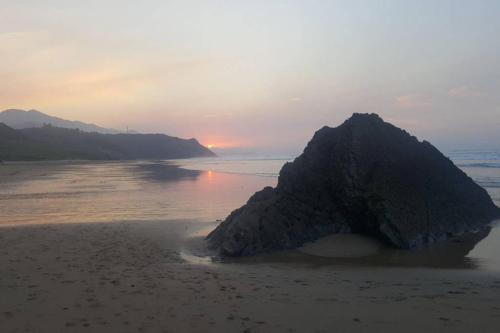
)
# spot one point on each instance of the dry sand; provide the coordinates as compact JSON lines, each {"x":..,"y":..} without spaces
{"x":131,"y":277}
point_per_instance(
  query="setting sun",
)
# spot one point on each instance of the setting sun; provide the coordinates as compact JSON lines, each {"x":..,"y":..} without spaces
{"x":210,"y":146}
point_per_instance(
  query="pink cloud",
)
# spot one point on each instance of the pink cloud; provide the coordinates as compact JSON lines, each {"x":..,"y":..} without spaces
{"x":465,"y":92}
{"x":411,"y":101}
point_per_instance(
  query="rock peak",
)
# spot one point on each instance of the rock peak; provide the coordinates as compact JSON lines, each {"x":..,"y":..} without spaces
{"x":364,"y":117}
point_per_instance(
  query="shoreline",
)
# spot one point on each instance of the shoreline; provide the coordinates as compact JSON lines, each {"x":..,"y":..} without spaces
{"x":130,"y":276}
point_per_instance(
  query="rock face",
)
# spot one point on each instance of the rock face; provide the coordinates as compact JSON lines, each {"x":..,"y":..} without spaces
{"x":364,"y":176}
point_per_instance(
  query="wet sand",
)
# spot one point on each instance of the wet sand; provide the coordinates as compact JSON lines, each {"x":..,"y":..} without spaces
{"x":132,"y":277}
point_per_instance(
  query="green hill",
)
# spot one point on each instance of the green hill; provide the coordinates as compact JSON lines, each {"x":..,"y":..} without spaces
{"x":54,"y":143}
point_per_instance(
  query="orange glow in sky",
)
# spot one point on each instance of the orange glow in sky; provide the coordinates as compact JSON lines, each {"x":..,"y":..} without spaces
{"x":257,"y":74}
{"x":217,"y":141}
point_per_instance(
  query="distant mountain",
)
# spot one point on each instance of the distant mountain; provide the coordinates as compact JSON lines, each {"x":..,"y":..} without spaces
{"x":55,"y":143}
{"x":19,"y":119}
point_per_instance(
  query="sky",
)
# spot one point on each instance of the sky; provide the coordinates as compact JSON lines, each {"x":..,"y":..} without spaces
{"x":257,"y":75}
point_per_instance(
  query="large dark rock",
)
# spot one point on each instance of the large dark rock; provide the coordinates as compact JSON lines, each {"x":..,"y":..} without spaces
{"x":365,"y":176}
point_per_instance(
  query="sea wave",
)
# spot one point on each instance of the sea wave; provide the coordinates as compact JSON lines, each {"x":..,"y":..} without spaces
{"x":474,"y":155}
{"x":489,"y":184}
{"x":492,"y":165}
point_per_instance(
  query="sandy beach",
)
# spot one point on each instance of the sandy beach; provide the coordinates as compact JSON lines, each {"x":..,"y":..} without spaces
{"x":133,"y":277}
{"x":119,"y":247}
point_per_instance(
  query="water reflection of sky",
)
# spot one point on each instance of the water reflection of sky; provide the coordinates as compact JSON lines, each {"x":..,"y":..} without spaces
{"x":100,"y":192}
